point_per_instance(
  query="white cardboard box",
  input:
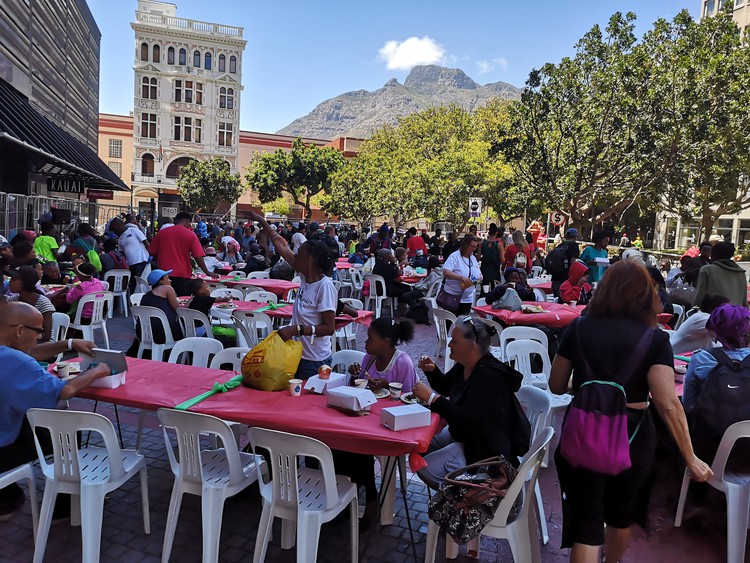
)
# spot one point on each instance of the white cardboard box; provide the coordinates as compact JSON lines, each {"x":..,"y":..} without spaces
{"x":352,"y":398}
{"x":110,"y":381}
{"x":405,"y":417}
{"x":321,"y":386}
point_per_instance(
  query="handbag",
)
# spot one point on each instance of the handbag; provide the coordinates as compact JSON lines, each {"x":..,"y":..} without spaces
{"x":469,"y":497}
{"x":448,"y":301}
{"x":510,"y":300}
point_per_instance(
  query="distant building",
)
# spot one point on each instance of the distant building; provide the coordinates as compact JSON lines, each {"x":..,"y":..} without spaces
{"x":741,"y":14}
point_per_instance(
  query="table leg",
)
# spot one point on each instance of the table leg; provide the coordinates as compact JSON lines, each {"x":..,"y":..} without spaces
{"x":389,"y":473}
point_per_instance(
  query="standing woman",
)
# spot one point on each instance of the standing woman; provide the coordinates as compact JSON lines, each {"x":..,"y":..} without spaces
{"x":461,"y":270}
{"x":490,"y":255}
{"x":605,"y":342}
{"x":518,"y":254}
{"x":314,"y":311}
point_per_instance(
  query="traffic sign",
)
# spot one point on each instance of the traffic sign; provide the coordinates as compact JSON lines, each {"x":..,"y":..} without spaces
{"x":556,"y":218}
{"x":475,"y":206}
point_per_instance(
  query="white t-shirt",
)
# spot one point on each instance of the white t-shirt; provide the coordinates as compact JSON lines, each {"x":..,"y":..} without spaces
{"x":298,"y":239}
{"x":312,"y":300}
{"x":131,"y":244}
{"x":468,"y":267}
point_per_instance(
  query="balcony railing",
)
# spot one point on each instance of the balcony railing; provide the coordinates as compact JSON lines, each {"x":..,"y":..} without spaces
{"x":189,"y":25}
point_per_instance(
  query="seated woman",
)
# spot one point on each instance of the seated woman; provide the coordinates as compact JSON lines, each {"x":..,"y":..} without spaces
{"x":576,"y":287}
{"x":89,"y":284}
{"x":230,"y":255}
{"x":386,"y":267}
{"x":86,"y":241}
{"x":23,"y":282}
{"x":256,"y":260}
{"x":163,"y":297}
{"x":515,"y":278}
{"x":692,"y":334}
{"x":477,"y":400}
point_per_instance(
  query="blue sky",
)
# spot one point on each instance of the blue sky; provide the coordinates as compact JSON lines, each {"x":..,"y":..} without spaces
{"x":300,"y":53}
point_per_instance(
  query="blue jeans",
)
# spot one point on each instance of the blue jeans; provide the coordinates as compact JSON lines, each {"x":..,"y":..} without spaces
{"x":308,"y":368}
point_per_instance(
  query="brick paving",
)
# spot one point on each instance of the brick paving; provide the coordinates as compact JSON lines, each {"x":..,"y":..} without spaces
{"x":702,"y":537}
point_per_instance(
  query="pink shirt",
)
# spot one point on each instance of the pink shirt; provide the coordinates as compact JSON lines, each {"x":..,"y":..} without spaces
{"x":84,"y":288}
{"x":399,"y":370}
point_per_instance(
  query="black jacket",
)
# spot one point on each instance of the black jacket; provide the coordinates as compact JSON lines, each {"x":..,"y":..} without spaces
{"x":482,"y":412}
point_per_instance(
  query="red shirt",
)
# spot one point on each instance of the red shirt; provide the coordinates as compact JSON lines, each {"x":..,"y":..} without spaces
{"x":172,"y":249}
{"x":415,"y":243}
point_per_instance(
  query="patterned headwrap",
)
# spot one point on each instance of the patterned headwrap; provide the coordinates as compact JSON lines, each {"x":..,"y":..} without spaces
{"x":731,"y":325}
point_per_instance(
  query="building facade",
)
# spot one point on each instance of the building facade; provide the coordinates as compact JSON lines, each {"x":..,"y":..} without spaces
{"x":741,"y":14}
{"x":187,"y":85}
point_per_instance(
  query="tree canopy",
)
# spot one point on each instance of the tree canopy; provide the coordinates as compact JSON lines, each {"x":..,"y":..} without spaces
{"x":205,"y":184}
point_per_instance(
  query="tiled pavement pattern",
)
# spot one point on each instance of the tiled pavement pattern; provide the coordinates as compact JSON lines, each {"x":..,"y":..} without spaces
{"x":702,"y":537}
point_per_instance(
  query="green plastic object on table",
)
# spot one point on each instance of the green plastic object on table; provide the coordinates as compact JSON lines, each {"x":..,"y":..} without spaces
{"x":683,"y":358}
{"x":236,"y":381}
{"x":272,"y":306}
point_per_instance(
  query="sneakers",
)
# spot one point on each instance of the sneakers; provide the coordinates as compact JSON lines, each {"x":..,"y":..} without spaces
{"x":12,"y":499}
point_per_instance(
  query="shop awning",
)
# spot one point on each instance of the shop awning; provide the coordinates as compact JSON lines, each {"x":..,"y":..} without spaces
{"x":58,"y":152}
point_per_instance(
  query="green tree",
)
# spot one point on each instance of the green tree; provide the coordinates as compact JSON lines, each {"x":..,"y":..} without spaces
{"x":205,"y":184}
{"x":350,"y":196}
{"x":301,"y":173}
{"x":280,"y":206}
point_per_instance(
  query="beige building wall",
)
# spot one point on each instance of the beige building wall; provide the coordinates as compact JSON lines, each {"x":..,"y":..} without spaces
{"x":116,"y":150}
{"x":741,"y":13}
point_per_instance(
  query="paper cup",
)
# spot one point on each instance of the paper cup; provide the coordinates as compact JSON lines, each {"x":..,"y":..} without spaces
{"x":573,"y":303}
{"x":361,"y":383}
{"x":395,"y":389}
{"x":63,"y":369}
{"x":295,"y":387}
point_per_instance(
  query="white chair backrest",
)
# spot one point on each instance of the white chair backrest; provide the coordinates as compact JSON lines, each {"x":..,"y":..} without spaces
{"x":105,"y":285}
{"x":141,"y":285}
{"x":252,"y":325}
{"x":215,"y":285}
{"x":377,"y":285}
{"x":539,"y":295}
{"x":481,"y":302}
{"x":261,"y":296}
{"x":296,"y":279}
{"x":679,"y":310}
{"x":239,"y":273}
{"x":495,"y":340}
{"x":536,"y":404}
{"x":357,"y":279}
{"x":522,"y":333}
{"x":227,"y":292}
{"x":337,"y":285}
{"x":344,"y":275}
{"x":195,"y":351}
{"x":284,"y":451}
{"x":118,"y":280}
{"x":64,"y":426}
{"x":233,"y":356}
{"x":434,"y":289}
{"x":190,"y":320}
{"x":441,"y":318}
{"x":259,"y":275}
{"x":735,"y":432}
{"x":98,"y":300}
{"x":135,"y":298}
{"x":144,"y":315}
{"x":345,"y":358}
{"x":60,"y":322}
{"x":521,"y":352}
{"x":189,"y":426}
{"x":536,"y":271}
{"x":353,"y":303}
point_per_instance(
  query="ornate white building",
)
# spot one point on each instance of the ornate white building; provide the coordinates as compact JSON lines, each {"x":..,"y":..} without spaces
{"x":187,"y":84}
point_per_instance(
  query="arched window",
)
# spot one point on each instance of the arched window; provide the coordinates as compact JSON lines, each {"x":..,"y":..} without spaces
{"x":157,"y":54}
{"x":233,"y":64}
{"x":173,"y":170}
{"x":170,"y":56}
{"x":147,"y":164}
{"x":183,"y":57}
{"x":144,"y":51}
{"x":148,"y":88}
{"x":222,"y":97}
{"x":196,"y":59}
{"x":222,"y":63}
{"x":230,"y":98}
{"x":207,"y":61}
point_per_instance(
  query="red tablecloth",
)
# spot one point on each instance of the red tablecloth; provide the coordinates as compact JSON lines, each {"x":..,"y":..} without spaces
{"x":152,"y":385}
{"x":285,"y":312}
{"x":416,"y":278}
{"x":545,"y":286}
{"x":345,"y":265}
{"x":220,"y":279}
{"x":279,"y":287}
{"x":555,"y":315}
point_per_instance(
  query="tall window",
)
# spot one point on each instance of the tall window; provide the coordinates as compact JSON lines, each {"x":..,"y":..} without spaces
{"x":183,"y":57}
{"x":115,"y":148}
{"x":144,"y":51}
{"x":226,"y":98}
{"x":174,"y":168}
{"x":188,"y":129}
{"x":233,"y":64}
{"x":199,"y":93}
{"x":197,"y":130}
{"x":709,"y":8}
{"x":116,"y":167}
{"x":222,"y":63}
{"x":148,"y":125}
{"x":157,"y":54}
{"x":148,"y":88}
{"x":147,"y":164}
{"x":188,"y":91}
{"x":196,"y":59}
{"x":225,"y":134}
{"x":207,"y":61}
{"x":170,"y":56}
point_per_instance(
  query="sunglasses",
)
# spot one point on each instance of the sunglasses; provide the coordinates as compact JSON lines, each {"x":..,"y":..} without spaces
{"x":35,"y":329}
{"x":468,"y":320}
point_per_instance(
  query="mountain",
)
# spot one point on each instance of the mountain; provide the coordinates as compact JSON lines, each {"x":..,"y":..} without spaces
{"x":359,"y":113}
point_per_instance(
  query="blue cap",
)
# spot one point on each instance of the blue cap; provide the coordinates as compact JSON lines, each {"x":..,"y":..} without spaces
{"x":570,"y":233}
{"x":156,"y":275}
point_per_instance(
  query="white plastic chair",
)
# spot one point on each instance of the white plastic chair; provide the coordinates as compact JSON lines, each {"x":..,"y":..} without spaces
{"x":537,"y":404}
{"x":214,"y":474}
{"x":259,"y":275}
{"x":141,"y":285}
{"x":144,"y":315}
{"x":90,"y":473}
{"x":358,"y":281}
{"x":345,"y":277}
{"x":135,"y":299}
{"x":228,"y":292}
{"x":520,"y":352}
{"x":24,"y":472}
{"x":521,"y":532}
{"x":215,"y":285}
{"x":679,"y":310}
{"x":98,"y":317}
{"x":736,"y":488}
{"x":522,"y":333}
{"x":346,"y":336}
{"x":536,"y":272}
{"x":441,"y":318}
{"x":378,"y":295}
{"x":190,"y":320}
{"x":239,"y":273}
{"x":301,"y":496}
{"x":345,"y":358}
{"x":60,"y":323}
{"x":233,"y":356}
{"x":539,"y":295}
{"x":432,"y":293}
{"x":261,"y":296}
{"x":195,"y":351}
{"x":119,"y":280}
{"x":105,"y":285}
{"x":252,"y":327}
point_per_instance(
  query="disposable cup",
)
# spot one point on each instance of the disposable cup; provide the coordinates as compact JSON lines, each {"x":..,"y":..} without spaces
{"x":63,"y":369}
{"x":361,"y":383}
{"x":295,"y":387}
{"x":573,"y":303}
{"x":395,"y":389}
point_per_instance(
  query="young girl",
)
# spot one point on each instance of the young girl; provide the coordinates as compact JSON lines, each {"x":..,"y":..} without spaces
{"x":383,"y":363}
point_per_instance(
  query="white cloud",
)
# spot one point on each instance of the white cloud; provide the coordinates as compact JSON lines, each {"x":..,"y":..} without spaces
{"x":486,"y":66}
{"x":402,"y":55}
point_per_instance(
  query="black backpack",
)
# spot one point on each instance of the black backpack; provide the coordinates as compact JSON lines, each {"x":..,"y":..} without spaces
{"x":557,"y":263}
{"x":419,"y":313}
{"x":725,"y":396}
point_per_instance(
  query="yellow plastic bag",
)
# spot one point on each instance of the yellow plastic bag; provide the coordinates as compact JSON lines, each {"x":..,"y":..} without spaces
{"x":272,"y":363}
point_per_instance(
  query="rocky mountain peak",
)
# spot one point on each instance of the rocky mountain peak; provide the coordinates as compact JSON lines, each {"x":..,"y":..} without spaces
{"x":431,"y":78}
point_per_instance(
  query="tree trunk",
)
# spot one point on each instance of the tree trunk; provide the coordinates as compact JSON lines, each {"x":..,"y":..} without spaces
{"x":707,"y":226}
{"x":308,"y":208}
